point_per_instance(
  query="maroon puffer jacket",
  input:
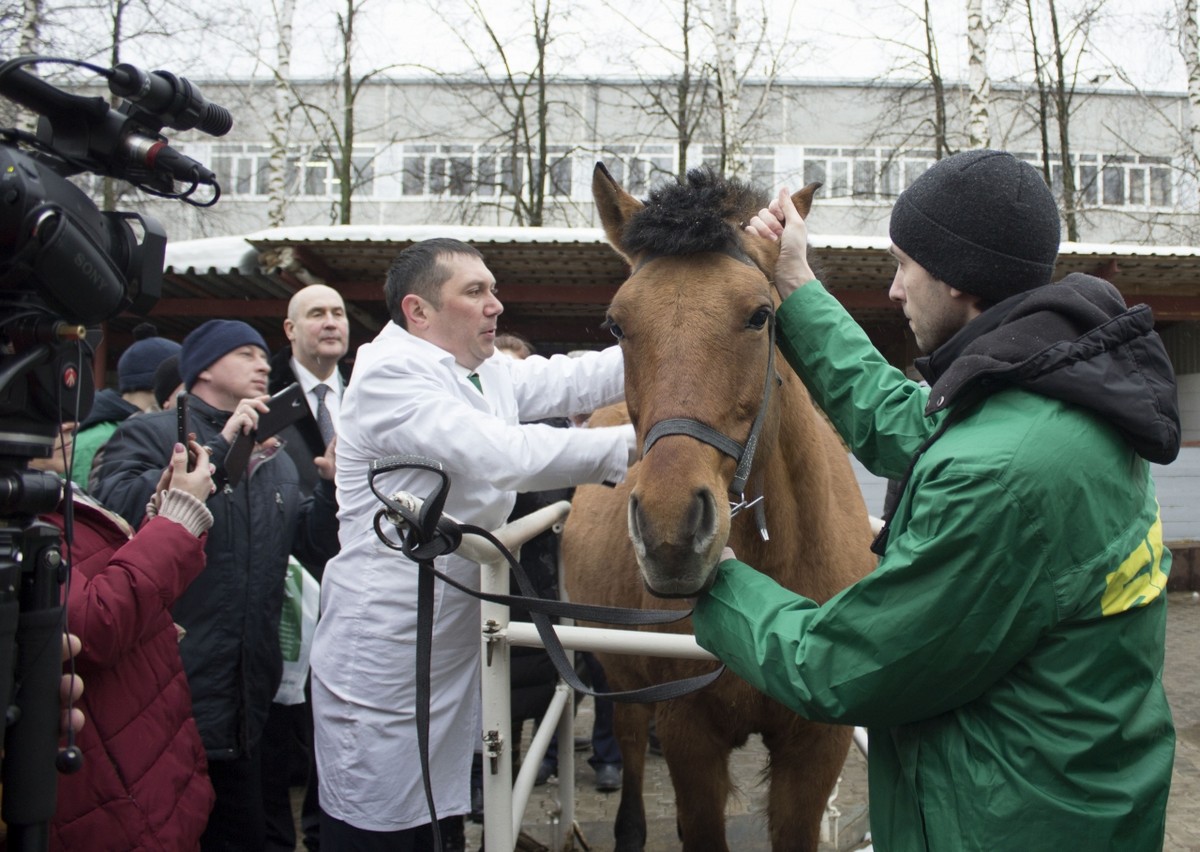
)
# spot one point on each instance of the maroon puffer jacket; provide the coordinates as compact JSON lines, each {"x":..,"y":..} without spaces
{"x":144,"y":782}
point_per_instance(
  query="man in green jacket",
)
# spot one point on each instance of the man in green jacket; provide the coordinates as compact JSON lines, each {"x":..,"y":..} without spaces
{"x":1006,"y":655}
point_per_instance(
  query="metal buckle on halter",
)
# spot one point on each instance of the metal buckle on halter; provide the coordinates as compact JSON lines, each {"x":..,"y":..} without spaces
{"x":759,"y":514}
{"x":734,"y":508}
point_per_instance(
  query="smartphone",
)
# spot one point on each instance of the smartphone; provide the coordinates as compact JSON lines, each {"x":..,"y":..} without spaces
{"x":283,"y":409}
{"x":184,"y":427}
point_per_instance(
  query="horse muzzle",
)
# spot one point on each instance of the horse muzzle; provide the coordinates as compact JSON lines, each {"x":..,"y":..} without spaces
{"x":678,"y":547}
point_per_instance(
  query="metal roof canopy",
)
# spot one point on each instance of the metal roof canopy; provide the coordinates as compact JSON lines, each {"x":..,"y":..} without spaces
{"x":556,"y":282}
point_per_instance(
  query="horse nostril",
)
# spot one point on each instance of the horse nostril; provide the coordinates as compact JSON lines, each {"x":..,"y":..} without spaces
{"x":702,"y":519}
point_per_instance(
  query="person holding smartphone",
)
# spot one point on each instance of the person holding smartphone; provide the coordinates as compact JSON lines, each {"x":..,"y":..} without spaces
{"x":231,"y":612}
{"x":143,"y":783}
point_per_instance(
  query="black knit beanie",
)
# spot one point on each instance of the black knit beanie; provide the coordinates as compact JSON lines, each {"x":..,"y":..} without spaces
{"x":135,"y":368}
{"x":982,"y":221}
{"x":166,"y":379}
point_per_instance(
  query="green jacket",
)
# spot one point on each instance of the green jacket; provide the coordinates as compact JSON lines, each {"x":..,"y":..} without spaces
{"x":109,"y":410}
{"x":1006,"y":654}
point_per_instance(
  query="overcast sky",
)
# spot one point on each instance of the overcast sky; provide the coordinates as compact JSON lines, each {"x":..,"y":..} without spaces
{"x":825,"y":38}
{"x":839,"y":38}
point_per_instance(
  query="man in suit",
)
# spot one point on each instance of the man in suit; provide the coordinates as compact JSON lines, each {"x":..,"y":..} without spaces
{"x":319,"y":336}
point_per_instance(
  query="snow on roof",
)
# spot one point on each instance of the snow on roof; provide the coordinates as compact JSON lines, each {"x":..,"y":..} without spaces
{"x":387,"y":233}
{"x":220,"y":253}
{"x":224,"y":253}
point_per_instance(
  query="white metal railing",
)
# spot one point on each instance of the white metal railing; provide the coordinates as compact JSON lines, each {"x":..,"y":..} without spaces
{"x":505,"y":801}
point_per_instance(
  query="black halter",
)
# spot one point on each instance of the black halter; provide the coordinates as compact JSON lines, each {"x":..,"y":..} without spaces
{"x":743,"y":454}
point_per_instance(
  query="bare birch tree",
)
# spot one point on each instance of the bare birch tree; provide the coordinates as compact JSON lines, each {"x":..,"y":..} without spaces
{"x":285,"y":11}
{"x":737,"y":58}
{"x":1190,"y":47}
{"x":28,"y":31}
{"x":725,"y":26}
{"x":978,"y":127}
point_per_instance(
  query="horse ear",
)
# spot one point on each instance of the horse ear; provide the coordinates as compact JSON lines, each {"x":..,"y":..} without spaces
{"x":766,"y":252}
{"x":615,"y":205}
{"x":802,"y":198}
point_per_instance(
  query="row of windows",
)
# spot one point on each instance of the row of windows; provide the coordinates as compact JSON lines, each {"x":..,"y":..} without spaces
{"x":244,"y":170}
{"x":483,"y":171}
{"x":432,"y":171}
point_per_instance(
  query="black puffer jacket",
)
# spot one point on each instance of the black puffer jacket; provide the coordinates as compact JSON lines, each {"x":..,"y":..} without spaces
{"x":231,"y":612}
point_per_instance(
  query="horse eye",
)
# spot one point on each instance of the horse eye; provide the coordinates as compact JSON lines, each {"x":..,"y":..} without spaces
{"x":613,"y":328}
{"x":759,"y":318}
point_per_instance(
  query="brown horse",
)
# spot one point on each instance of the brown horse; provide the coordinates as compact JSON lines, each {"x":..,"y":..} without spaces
{"x":695,"y":320}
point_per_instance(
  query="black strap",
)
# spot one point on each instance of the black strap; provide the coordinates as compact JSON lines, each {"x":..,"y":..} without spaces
{"x":742,"y":454}
{"x":429,"y":535}
{"x":694,"y":429}
{"x":425,"y":690}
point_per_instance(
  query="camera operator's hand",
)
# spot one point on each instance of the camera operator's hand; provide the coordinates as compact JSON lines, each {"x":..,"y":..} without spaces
{"x":71,"y":687}
{"x":244,"y":417}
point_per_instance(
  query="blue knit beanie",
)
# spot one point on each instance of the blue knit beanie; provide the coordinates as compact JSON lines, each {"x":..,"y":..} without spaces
{"x":135,"y":368}
{"x":982,"y":221}
{"x":210,"y":342}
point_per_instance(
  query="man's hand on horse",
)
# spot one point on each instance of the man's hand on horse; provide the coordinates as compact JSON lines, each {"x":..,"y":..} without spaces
{"x":782,"y":221}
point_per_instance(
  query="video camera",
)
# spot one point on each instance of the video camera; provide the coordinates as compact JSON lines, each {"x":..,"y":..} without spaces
{"x":66,"y":266}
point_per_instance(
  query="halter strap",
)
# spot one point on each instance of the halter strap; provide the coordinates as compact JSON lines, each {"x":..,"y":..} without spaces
{"x":742,"y":453}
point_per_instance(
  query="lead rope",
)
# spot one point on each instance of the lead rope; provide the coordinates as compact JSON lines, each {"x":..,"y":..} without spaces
{"x":427,"y":535}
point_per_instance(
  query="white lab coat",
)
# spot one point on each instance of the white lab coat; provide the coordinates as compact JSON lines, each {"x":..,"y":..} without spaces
{"x":407,"y":396}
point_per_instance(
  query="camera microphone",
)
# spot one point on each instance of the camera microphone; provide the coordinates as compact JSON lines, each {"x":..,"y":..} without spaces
{"x":161,"y":157}
{"x":175,"y":100}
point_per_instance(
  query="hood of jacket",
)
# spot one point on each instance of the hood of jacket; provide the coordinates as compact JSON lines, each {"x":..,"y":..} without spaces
{"x":1074,"y":341}
{"x":109,"y":407}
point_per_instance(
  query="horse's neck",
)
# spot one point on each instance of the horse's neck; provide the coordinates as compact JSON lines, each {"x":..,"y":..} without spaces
{"x":792,"y":475}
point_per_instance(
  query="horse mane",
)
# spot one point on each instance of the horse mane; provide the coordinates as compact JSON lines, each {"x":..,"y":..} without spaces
{"x":701,"y":214}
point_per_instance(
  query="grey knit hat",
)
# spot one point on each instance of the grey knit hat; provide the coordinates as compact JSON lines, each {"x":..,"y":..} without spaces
{"x":982,"y":221}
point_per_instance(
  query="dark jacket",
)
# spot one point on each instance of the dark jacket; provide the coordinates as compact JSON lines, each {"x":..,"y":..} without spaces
{"x":144,"y":782}
{"x":1007,"y":652}
{"x":231,"y":613}
{"x":108,"y":410}
{"x":302,"y":439}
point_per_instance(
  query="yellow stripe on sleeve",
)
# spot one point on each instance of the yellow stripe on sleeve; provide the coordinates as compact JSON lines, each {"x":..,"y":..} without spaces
{"x":1139,"y":579}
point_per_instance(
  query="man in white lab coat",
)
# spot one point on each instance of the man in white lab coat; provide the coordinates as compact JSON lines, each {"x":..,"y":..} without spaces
{"x":429,"y":385}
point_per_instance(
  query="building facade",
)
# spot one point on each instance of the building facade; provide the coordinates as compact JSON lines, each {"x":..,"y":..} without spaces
{"x":447,"y":152}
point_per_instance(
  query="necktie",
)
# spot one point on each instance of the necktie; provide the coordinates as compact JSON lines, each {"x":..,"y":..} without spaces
{"x":324,"y":419}
{"x":474,"y":377}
